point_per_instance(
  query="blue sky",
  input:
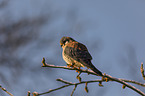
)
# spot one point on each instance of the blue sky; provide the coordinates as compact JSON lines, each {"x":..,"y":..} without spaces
{"x":113,"y":31}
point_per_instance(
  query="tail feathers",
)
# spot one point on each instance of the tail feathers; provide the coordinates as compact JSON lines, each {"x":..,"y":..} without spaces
{"x":89,"y":64}
{"x":99,"y":73}
{"x":92,"y":67}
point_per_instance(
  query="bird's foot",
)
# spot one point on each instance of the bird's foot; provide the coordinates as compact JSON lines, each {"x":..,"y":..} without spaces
{"x":70,"y":65}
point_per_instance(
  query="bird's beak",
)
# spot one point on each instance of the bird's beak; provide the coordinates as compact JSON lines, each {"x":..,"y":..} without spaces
{"x":61,"y":44}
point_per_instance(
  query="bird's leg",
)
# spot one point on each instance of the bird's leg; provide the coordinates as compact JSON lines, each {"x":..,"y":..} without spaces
{"x":68,"y":65}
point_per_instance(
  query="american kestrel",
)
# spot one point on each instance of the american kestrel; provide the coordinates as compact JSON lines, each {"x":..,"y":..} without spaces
{"x":77,"y":55}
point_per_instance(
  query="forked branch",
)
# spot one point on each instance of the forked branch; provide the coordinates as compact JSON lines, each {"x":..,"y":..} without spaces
{"x":104,"y":78}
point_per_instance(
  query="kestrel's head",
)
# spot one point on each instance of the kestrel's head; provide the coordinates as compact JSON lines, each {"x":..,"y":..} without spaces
{"x":65,"y":40}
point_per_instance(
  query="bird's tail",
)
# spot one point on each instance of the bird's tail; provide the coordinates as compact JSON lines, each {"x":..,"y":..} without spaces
{"x":92,"y":67}
{"x":99,"y":73}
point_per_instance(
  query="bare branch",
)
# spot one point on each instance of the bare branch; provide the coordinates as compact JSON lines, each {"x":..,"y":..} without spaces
{"x":73,"y":90}
{"x":122,"y":81}
{"x":126,"y":84}
{"x":69,"y":84}
{"x":142,"y":71}
{"x":134,"y":82}
{"x":51,"y":90}
{"x":63,"y":81}
{"x":4,"y":89}
{"x":91,"y":72}
{"x":64,"y":67}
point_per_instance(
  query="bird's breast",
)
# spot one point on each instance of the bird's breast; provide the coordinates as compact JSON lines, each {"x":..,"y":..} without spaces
{"x":66,"y":58}
{"x":70,"y":60}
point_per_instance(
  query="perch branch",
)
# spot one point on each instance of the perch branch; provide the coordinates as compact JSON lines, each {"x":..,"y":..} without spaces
{"x":91,"y":72}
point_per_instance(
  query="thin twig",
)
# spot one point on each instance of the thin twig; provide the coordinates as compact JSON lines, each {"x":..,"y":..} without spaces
{"x":142,"y":71}
{"x":68,"y":84}
{"x":63,"y":81}
{"x":4,"y":89}
{"x":73,"y":90}
{"x":51,"y":90}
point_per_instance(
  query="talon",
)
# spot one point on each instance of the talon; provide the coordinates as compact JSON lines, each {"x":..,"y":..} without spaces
{"x":69,"y":65}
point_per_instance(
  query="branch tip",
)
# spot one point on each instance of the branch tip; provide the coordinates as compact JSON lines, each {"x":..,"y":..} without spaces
{"x":28,"y":93}
{"x":63,"y":81}
{"x":43,"y":62}
{"x":142,"y":71}
{"x":123,"y":86}
{"x":86,"y":89}
{"x":35,"y":94}
{"x":59,"y":79}
{"x":100,"y":84}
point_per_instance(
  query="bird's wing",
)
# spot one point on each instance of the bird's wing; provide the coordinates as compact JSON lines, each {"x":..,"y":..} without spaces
{"x":80,"y":53}
{"x":77,"y":51}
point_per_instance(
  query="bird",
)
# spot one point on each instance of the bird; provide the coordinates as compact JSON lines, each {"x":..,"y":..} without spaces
{"x":76,"y":54}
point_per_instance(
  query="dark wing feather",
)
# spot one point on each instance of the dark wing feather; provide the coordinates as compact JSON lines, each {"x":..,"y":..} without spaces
{"x":77,"y":51}
{"x":80,"y":53}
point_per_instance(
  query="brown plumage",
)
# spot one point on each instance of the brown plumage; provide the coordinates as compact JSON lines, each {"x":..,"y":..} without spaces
{"x":76,"y":54}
